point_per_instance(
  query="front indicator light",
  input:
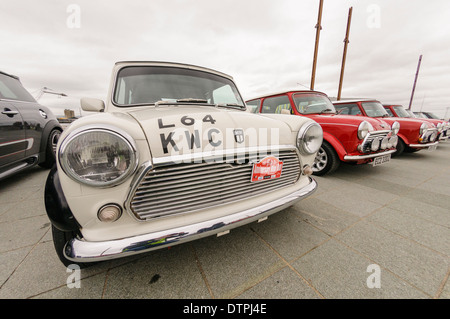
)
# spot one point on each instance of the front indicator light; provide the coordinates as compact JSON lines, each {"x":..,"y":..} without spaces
{"x":109,"y":213}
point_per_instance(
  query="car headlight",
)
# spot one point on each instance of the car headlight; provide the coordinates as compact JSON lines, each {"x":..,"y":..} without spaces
{"x":423,"y":128}
{"x":98,"y":156}
{"x":440,"y":126}
{"x":395,"y":128}
{"x":309,"y":138}
{"x":363,"y":129}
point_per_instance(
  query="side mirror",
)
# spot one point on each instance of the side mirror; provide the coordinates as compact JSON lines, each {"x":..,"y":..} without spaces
{"x":92,"y":105}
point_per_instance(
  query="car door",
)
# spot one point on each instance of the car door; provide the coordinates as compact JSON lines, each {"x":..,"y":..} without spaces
{"x":13,"y":143}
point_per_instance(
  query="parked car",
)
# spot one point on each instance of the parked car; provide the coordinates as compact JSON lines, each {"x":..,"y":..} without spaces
{"x":172,"y":156}
{"x":414,"y":134}
{"x":443,"y":127}
{"x":350,"y":139}
{"x":29,"y":131}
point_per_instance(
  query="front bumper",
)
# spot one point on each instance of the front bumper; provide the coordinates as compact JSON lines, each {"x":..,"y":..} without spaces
{"x":423,"y":145}
{"x":367,"y":156}
{"x":78,"y":250}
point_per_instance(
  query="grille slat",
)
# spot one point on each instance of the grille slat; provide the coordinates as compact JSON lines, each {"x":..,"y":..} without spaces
{"x":187,"y":187}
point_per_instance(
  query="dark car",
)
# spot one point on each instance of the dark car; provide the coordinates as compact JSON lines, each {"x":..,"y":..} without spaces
{"x":29,"y":131}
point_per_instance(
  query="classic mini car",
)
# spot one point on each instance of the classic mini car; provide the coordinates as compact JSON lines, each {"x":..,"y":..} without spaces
{"x":172,"y":156}
{"x":355,"y":139}
{"x":29,"y":131}
{"x":414,"y":134}
{"x":443,"y":127}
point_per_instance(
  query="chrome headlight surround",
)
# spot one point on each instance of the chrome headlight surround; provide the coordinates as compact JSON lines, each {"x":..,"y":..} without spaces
{"x":395,"y":127}
{"x":98,"y":156}
{"x":363,"y":129}
{"x":309,"y":138}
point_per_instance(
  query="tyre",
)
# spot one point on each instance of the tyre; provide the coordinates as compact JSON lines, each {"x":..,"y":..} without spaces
{"x":401,"y":146}
{"x":326,"y":160}
{"x":60,"y":239}
{"x":50,"y":149}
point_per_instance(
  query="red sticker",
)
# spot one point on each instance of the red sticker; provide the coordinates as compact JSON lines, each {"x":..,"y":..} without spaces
{"x":268,"y":168}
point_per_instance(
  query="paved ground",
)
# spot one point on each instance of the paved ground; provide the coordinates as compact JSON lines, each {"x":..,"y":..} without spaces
{"x":365,"y":226}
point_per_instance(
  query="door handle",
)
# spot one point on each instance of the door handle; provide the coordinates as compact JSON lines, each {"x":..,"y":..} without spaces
{"x":9,"y":112}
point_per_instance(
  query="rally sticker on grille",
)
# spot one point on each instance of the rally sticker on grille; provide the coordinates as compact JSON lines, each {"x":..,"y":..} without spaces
{"x":268,"y":168}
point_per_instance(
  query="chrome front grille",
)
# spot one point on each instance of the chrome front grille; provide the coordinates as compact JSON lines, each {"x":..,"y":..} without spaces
{"x":187,"y":187}
{"x":371,"y":136}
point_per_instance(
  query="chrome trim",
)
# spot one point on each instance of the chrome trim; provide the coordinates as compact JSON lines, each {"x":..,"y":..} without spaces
{"x":361,"y":157}
{"x":85,"y":251}
{"x":423,"y":145}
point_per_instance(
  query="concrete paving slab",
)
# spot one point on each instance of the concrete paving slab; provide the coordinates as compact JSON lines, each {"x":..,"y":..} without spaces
{"x":395,"y":216}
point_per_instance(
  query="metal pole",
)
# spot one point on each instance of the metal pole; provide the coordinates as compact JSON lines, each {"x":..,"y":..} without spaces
{"x":316,"y":48}
{"x":415,"y":81}
{"x":346,"y":41}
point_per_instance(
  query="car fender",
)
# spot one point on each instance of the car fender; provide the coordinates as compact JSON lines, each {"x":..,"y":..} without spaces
{"x":58,"y":210}
{"x":404,"y":138}
{"x":336,"y":144}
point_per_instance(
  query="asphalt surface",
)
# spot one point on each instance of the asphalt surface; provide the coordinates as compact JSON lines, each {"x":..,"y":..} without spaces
{"x":367,"y":232}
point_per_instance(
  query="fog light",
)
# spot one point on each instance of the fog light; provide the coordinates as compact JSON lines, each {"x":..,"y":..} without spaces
{"x":384,"y":143}
{"x":375,"y":145}
{"x":307,"y":170}
{"x":109,"y":213}
{"x":393,"y":141}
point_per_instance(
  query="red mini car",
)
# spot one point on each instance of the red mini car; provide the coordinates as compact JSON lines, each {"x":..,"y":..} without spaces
{"x":414,"y":134}
{"x":352,"y":139}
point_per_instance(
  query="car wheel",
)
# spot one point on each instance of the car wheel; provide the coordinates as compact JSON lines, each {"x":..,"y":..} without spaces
{"x":401,"y":146}
{"x":60,"y":239}
{"x":326,"y":160}
{"x":50,"y":149}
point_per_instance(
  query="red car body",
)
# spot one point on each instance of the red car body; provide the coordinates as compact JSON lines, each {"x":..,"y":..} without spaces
{"x":414,"y":134}
{"x":342,"y":141}
{"x":399,"y":111}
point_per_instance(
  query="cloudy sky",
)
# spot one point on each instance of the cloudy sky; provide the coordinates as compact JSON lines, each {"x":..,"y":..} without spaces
{"x":71,"y":46}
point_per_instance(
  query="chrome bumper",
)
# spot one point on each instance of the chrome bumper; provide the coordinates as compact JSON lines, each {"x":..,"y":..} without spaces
{"x":362,"y":157}
{"x":423,"y":145}
{"x":83,"y":251}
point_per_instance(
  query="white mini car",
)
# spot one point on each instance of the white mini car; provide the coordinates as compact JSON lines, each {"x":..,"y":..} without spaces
{"x":173,"y":155}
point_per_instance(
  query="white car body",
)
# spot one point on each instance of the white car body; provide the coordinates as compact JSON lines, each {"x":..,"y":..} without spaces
{"x":165,"y":137}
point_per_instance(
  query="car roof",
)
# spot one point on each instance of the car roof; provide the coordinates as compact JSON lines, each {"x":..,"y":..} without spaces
{"x":284,"y":92}
{"x":355,"y":100}
{"x":10,"y":75}
{"x":173,"y":64}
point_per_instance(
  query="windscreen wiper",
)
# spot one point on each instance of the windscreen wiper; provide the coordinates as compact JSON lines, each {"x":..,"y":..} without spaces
{"x":230,"y":104}
{"x":192,"y":100}
{"x":326,"y":111}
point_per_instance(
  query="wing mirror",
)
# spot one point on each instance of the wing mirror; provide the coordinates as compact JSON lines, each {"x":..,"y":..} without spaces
{"x":92,"y":105}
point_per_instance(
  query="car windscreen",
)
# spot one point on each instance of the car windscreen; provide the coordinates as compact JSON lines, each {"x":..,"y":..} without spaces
{"x":12,"y":89}
{"x":143,"y":85}
{"x":401,"y":112}
{"x":313,"y":103}
{"x":374,"y":109}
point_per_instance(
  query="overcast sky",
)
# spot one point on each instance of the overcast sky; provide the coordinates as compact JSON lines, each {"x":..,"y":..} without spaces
{"x":266,"y":45}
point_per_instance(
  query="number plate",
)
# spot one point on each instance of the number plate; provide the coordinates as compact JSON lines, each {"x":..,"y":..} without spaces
{"x":268,"y":168}
{"x":432,"y":148}
{"x":381,"y":160}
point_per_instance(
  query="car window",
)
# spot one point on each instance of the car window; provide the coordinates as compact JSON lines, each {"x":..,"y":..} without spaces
{"x":401,"y":112}
{"x":12,"y":89}
{"x":374,"y":109}
{"x":277,"y":105}
{"x":390,"y":112}
{"x":311,"y":103}
{"x":151,"y":84}
{"x":253,"y":105}
{"x":348,"y":109}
